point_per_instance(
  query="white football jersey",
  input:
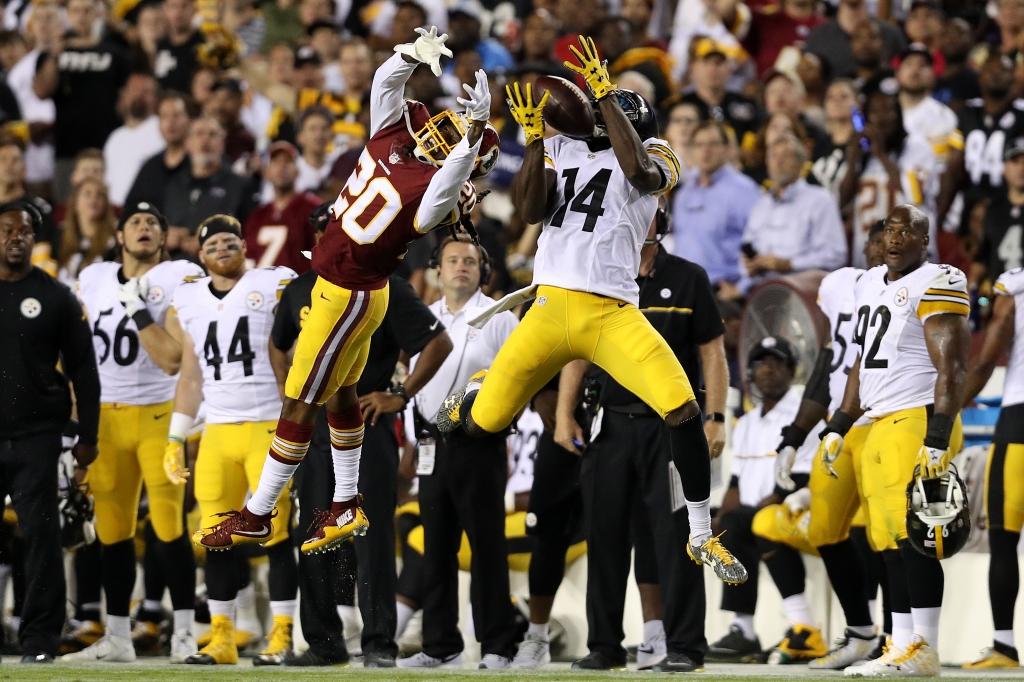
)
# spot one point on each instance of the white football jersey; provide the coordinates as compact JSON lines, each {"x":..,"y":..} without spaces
{"x":919,"y":186}
{"x":1011,"y":283}
{"x":934,"y":121}
{"x":896,"y":372}
{"x":592,"y":241}
{"x":127,"y":374}
{"x":836,"y":300}
{"x":231,"y":336}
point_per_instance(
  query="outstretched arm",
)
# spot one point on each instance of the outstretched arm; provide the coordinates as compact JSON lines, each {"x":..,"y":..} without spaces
{"x":444,"y":189}
{"x":534,"y":186}
{"x":387,"y":94}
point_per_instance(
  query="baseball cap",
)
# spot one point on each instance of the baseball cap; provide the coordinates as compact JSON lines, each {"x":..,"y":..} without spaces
{"x":918,"y":49}
{"x":283,"y":146}
{"x":142,"y":207}
{"x":1014,"y":149}
{"x":773,"y":73}
{"x":706,"y":47}
{"x":305,"y":56}
{"x":773,"y":345}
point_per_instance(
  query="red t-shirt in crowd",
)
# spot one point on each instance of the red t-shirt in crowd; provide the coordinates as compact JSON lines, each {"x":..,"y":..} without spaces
{"x":771,"y":29}
{"x":274,"y":237}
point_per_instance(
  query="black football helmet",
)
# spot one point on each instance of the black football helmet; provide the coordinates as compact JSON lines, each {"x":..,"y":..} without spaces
{"x":938,"y":515}
{"x":638,"y":110}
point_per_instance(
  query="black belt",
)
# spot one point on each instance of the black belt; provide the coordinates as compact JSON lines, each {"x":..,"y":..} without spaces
{"x":632,"y":409}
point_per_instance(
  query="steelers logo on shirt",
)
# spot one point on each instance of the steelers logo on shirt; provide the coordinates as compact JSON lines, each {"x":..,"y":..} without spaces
{"x":155,"y":295}
{"x":665,"y":293}
{"x":31,"y":308}
{"x":254,"y":301}
{"x":901,"y":297}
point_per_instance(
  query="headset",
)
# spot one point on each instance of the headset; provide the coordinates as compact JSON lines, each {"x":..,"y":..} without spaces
{"x":485,"y":258}
{"x":661,"y":226}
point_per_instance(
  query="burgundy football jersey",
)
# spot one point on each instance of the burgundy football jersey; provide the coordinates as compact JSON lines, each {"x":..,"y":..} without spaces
{"x":275,"y":237}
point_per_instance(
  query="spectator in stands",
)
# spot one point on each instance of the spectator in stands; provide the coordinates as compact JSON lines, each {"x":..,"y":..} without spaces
{"x":357,"y":67}
{"x":283,"y":24}
{"x":89,"y":165}
{"x":1010,"y":20}
{"x":324,"y":38}
{"x":540,"y":31}
{"x":84,"y":84}
{"x":755,"y":158}
{"x":176,"y":60}
{"x":959,"y":82}
{"x":921,"y":113}
{"x":840,"y":100}
{"x":151,"y":28}
{"x":784,"y":94}
{"x":313,"y":11}
{"x":156,"y":174}
{"x":682,"y":121}
{"x":577,"y":17}
{"x":832,"y":41}
{"x":225,"y":105}
{"x":139,"y":138}
{"x":242,"y":19}
{"x":709,"y":74}
{"x":314,"y":138}
{"x":795,"y":226}
{"x":1002,"y":245}
{"x":12,"y":187}
{"x":868,"y":52}
{"x":465,"y":25}
{"x":775,"y":28}
{"x":87,"y":231}
{"x":924,"y":25}
{"x":814,"y":76}
{"x":623,"y":48}
{"x":407,"y":16}
{"x":710,"y":212}
{"x":12,"y":49}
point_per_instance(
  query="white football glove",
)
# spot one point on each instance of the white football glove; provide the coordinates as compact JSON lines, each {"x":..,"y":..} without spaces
{"x":478,"y":104}
{"x":829,"y":449}
{"x":427,"y":49}
{"x":784,"y":466}
{"x":132,"y":295}
{"x":798,"y":501}
{"x":931,"y":461}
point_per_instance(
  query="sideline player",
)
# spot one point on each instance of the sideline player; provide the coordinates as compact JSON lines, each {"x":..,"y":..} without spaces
{"x":226,"y":320}
{"x":1004,"y":474}
{"x":596,"y":199}
{"x":397,"y":194}
{"x":909,"y":379}
{"x":834,"y":501}
{"x":138,"y":349}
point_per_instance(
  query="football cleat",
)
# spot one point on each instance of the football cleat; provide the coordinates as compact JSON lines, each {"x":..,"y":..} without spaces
{"x":279,"y":643}
{"x":713,"y":553}
{"x":734,"y":646}
{"x":652,"y":652}
{"x":534,"y":652}
{"x":675,"y":663}
{"x":493,"y":662}
{"x":421,"y":660}
{"x":146,"y":636}
{"x":991,"y":658}
{"x":335,"y":526}
{"x":311,"y":659}
{"x":801,"y":643}
{"x":221,"y":650}
{"x":108,"y":649}
{"x":243,"y":637}
{"x":595,"y":660}
{"x":237,"y":528}
{"x":450,"y":416}
{"x":86,"y":634}
{"x":183,"y":645}
{"x":919,"y":660}
{"x":849,"y":650}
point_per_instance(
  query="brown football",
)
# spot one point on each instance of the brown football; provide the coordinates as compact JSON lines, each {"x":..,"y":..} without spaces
{"x":568,"y":109}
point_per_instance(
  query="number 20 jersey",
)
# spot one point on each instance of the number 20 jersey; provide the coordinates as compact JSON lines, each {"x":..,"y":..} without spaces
{"x":896,"y":371}
{"x":231,"y":337}
{"x":592,"y":241}
{"x":127,"y":374}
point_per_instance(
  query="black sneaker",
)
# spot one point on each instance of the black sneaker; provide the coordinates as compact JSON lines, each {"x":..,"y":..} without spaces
{"x":734,"y":647}
{"x":37,"y":658}
{"x":312,"y":659}
{"x":374,"y":659}
{"x":675,"y":663}
{"x":595,"y":660}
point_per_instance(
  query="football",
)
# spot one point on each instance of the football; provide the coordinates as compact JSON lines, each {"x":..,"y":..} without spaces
{"x":568,"y":110}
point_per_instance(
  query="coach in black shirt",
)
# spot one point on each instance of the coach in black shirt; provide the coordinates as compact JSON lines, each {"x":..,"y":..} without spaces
{"x":626,"y":469}
{"x":43,"y":323}
{"x":408,"y":326}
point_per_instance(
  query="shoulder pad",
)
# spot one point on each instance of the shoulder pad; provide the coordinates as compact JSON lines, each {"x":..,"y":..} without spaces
{"x":1010,"y":283}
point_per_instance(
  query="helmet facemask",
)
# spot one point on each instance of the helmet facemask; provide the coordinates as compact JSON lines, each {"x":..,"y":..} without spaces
{"x":438,"y":137}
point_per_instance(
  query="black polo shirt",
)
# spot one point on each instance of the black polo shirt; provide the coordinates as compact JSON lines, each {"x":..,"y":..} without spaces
{"x":408,"y":325}
{"x":678,"y":300}
{"x":189,"y":200}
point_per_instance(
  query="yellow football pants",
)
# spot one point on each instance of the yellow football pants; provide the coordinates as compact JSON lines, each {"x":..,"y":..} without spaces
{"x":229,"y":464}
{"x":1004,"y":486}
{"x":564,"y":325}
{"x":889,"y":457}
{"x":835,"y":501}
{"x":132,"y":439}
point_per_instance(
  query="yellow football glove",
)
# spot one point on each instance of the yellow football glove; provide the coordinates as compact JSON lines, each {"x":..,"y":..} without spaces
{"x":592,"y":68}
{"x":525,"y":112}
{"x":828,"y":451}
{"x":174,"y":462}
{"x":932,"y":461}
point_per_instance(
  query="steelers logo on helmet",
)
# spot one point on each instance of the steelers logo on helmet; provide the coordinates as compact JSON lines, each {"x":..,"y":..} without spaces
{"x":31,"y":308}
{"x":254,"y":300}
{"x":155,"y":295}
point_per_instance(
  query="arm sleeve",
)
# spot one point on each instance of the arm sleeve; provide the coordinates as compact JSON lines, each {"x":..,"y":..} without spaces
{"x":663,"y":156}
{"x":387,"y":94}
{"x":285,"y":331}
{"x":412,"y":323}
{"x":827,"y":248}
{"x":817,"y":389}
{"x":946,"y":293}
{"x":79,"y":362}
{"x":442,"y":193}
{"x":708,"y":324}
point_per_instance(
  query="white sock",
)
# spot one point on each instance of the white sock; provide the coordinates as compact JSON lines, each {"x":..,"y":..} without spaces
{"x":247,"y":597}
{"x":873,"y":609}
{"x":346,"y":613}
{"x":151,"y":605}
{"x":798,"y":610}
{"x":541,"y":630}
{"x":183,"y":619}
{"x":284,"y":607}
{"x":405,"y":612}
{"x":222,"y":608}
{"x":863,"y":631}
{"x":119,"y":626}
{"x":1004,"y":637}
{"x":284,"y":456}
{"x":926,"y":624}
{"x":652,"y":628}
{"x":902,"y":629}
{"x":346,"y":449}
{"x":700,"y":521}
{"x":745,"y":622}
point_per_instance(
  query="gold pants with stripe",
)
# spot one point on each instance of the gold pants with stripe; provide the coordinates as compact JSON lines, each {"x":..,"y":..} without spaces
{"x":1004,"y":486}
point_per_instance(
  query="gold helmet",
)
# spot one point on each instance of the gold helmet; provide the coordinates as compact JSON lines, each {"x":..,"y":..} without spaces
{"x":439,"y":135}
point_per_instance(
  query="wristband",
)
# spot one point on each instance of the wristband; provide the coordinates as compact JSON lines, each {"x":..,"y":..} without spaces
{"x":793,"y":436}
{"x":142,"y":319}
{"x":181,"y":424}
{"x":715,"y":417}
{"x":940,"y":428}
{"x":839,"y":423}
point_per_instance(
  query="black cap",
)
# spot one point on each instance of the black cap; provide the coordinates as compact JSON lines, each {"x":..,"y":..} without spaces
{"x":23,"y":205}
{"x":773,"y":345}
{"x":876,"y":227}
{"x":319,"y":24}
{"x":305,"y":56}
{"x":216,"y":224}
{"x":142,"y":207}
{"x":1013,"y":149}
{"x":918,"y":49}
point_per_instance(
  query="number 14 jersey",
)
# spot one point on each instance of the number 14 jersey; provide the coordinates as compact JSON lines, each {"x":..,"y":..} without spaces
{"x":896,"y":371}
{"x":231,"y":337}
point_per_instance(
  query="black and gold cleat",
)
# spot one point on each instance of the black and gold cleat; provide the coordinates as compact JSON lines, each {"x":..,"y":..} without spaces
{"x":450,"y":416}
